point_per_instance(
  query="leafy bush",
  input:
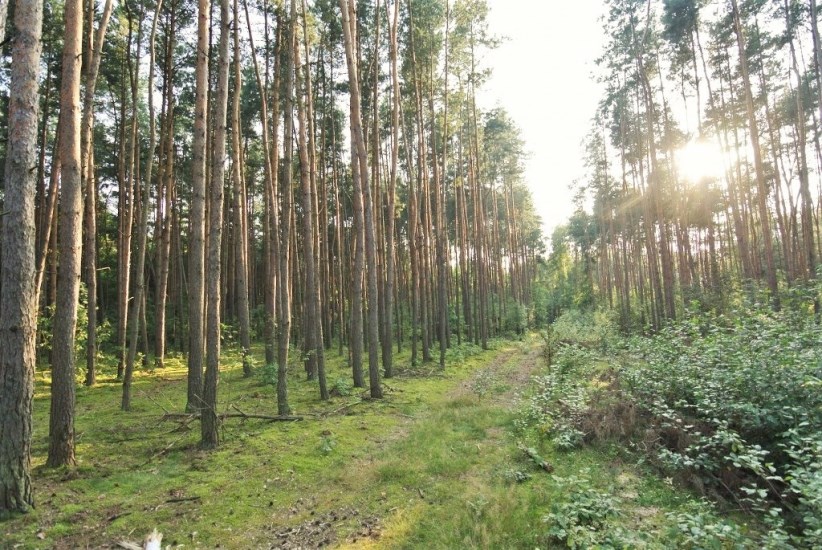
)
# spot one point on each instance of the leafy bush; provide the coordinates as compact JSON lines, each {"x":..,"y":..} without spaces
{"x":45,"y":328}
{"x":698,"y":528}
{"x":579,"y":519}
{"x":597,"y":330}
{"x":558,"y":401}
{"x":735,"y":408}
{"x":342,"y":387}
{"x":516,"y":317}
{"x":456,"y":355}
{"x":268,"y":374}
{"x":729,"y":404}
{"x":482,"y":383}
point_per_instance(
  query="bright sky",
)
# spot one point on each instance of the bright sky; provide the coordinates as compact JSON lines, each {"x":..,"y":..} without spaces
{"x":542,"y":77}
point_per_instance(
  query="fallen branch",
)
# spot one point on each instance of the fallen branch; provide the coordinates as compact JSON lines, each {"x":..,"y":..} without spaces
{"x":164,"y":450}
{"x":117,"y":516}
{"x":181,"y":499}
{"x":165,"y":410}
{"x":341,"y":409}
{"x":193,"y":416}
{"x":538,"y":460}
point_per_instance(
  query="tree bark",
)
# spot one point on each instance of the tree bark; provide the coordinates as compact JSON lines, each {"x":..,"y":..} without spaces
{"x":90,"y":186}
{"x":61,"y":420}
{"x":18,"y":293}
{"x":138,"y":310}
{"x":762,"y":190}
{"x":349,"y":22}
{"x":196,"y":272}
{"x":240,"y":248}
{"x":314,"y":347}
{"x":209,"y":433}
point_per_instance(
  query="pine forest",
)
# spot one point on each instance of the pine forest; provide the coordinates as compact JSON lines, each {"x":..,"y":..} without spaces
{"x":316,"y":273}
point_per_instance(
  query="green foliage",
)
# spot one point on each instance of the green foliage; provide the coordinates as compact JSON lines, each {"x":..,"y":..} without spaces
{"x":268,"y":374}
{"x":45,"y":327}
{"x":343,"y":387}
{"x":735,"y":406}
{"x":727,"y":404}
{"x":579,"y":519}
{"x":592,"y":329}
{"x":558,"y":401}
{"x":327,"y":445}
{"x":516,"y":476}
{"x":699,"y":528}
{"x":804,"y":482}
{"x":229,"y":334}
{"x":483,"y":382}
{"x":516,"y":317}
{"x":458,"y":354}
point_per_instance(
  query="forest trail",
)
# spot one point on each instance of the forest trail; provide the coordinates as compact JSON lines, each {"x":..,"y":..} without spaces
{"x":441,"y":461}
{"x":355,"y":472}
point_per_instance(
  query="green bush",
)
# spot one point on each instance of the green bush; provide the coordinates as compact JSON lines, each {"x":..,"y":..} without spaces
{"x":735,"y":407}
{"x":268,"y":374}
{"x":557,"y":402}
{"x":45,"y":328}
{"x":579,"y":520}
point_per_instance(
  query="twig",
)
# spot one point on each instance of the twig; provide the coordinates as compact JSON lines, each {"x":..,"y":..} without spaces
{"x":182,"y":499}
{"x":165,"y":410}
{"x":163,"y":451}
{"x":538,"y":460}
{"x":341,"y":409}
{"x":117,"y":516}
{"x":194,"y":416}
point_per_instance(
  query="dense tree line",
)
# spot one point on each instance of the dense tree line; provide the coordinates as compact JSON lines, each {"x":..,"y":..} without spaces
{"x":704,"y":160}
{"x":309,"y":175}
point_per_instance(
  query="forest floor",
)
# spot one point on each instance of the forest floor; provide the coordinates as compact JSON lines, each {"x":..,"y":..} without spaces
{"x":436,"y":464}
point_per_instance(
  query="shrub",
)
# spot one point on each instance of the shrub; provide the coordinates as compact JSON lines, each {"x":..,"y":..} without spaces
{"x":558,"y":401}
{"x":579,"y":519}
{"x":736,"y":410}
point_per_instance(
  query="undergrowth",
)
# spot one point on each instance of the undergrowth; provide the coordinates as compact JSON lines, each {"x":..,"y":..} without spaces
{"x":728,"y":406}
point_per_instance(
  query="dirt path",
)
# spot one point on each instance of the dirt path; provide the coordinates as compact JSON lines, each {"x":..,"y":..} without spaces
{"x":449,"y":460}
{"x":416,"y":470}
{"x":512,"y":370}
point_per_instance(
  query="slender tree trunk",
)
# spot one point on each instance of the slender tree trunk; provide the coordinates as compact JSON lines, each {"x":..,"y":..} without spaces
{"x":90,"y":252}
{"x":165,"y":206}
{"x":49,"y":217}
{"x":61,"y":420}
{"x":196,"y":272}
{"x":314,"y":348}
{"x":138,"y":309}
{"x":18,"y":292}
{"x":387,"y":349}
{"x":208,"y":416}
{"x":753,"y":129}
{"x":271,"y":241}
{"x":284,"y":340}
{"x":349,"y":22}
{"x":355,"y":336}
{"x":240,"y":248}
{"x":90,"y":186}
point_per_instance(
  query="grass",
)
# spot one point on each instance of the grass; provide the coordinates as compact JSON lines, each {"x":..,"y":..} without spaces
{"x":429,"y":466}
{"x":131,"y":464}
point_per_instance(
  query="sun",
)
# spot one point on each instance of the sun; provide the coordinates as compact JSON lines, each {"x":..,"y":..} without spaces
{"x":699,"y":160}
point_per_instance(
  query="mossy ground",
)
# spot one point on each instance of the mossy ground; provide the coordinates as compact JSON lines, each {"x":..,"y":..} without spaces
{"x":427,"y":467}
